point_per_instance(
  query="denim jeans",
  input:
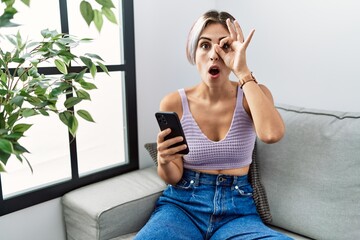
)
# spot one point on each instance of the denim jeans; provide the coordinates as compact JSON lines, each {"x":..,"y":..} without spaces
{"x":206,"y":206}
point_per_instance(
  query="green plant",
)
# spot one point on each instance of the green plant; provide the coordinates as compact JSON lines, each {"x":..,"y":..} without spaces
{"x":87,"y":11}
{"x":26,"y":92}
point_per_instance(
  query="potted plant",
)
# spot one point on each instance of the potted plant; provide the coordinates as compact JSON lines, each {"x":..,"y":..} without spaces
{"x":25,"y":91}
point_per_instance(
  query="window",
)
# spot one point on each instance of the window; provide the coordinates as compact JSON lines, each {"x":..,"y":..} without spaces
{"x":100,"y":150}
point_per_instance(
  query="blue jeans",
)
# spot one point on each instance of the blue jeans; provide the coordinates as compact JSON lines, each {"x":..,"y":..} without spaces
{"x":206,"y":206}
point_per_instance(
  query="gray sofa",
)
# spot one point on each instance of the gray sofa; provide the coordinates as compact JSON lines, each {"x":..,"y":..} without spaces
{"x":311,"y":178}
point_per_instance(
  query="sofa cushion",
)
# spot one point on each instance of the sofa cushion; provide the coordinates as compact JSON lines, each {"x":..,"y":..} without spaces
{"x":113,"y":207}
{"x":312,"y":176}
{"x":259,"y":194}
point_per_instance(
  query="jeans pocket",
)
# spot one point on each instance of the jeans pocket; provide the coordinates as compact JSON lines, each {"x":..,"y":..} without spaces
{"x":245,"y":191}
{"x":184,"y":184}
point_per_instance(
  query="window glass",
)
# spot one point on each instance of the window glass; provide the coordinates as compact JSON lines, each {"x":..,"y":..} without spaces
{"x":60,"y":165}
{"x":32,"y":21}
{"x":108,"y":42}
{"x":48,"y":143}
{"x":102,"y":144}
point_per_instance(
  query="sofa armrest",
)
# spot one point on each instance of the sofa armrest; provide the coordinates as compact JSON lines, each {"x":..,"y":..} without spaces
{"x":112,"y":207}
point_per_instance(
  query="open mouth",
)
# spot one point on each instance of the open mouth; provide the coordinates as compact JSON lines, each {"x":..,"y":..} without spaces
{"x":214,"y":71}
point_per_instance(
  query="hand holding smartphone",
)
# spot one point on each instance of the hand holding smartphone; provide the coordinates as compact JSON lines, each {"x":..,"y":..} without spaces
{"x":171,"y":120}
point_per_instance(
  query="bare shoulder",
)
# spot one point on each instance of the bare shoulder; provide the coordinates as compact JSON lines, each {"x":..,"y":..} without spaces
{"x":172,"y":103}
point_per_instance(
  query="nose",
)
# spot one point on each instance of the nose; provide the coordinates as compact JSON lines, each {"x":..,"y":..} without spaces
{"x":213,"y":55}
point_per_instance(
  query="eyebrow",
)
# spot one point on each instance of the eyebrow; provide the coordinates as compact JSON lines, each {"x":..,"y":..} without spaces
{"x":209,"y":39}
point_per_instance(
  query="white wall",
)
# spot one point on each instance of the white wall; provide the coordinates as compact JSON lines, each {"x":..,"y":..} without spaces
{"x":306,"y":52}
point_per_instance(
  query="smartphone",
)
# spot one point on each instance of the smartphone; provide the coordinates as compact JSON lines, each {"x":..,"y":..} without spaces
{"x":171,"y":120}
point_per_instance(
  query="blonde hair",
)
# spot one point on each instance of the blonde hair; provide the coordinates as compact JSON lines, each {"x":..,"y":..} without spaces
{"x":211,"y":16}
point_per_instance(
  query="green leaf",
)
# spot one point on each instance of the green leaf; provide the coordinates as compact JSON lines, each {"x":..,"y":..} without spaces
{"x":6,"y":146}
{"x":63,"y":43}
{"x":21,"y":128}
{"x":98,"y":20}
{"x":22,"y":74}
{"x":9,"y":108}
{"x":83,"y":94}
{"x":28,"y":112}
{"x":106,"y":3}
{"x":103,"y":67}
{"x":86,"y":12}
{"x":3,"y":92}
{"x":61,"y":66}
{"x":2,"y":166}
{"x":85,"y":115}
{"x":93,"y":70}
{"x":19,"y":149}
{"x":74,"y":125}
{"x":12,"y":119}
{"x":72,"y":101}
{"x":18,"y":40}
{"x":2,"y":121}
{"x":109,"y":14}
{"x":33,"y":72}
{"x":87,"y":85}
{"x":92,"y":55}
{"x":70,"y":121}
{"x":86,"y":61}
{"x":39,"y":91}
{"x":18,"y":60}
{"x":4,"y":156}
{"x":45,"y":33}
{"x":26,"y":2}
{"x":65,"y":116}
{"x":17,"y":100}
{"x":14,"y":136}
{"x":11,"y":39}
{"x":70,"y":76}
{"x":80,"y":75}
{"x":43,"y":112}
{"x":35,"y":101}
{"x":66,"y":54}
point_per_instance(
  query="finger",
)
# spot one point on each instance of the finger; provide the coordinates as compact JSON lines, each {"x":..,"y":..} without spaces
{"x":248,"y":39}
{"x":225,"y":44}
{"x":170,"y":153}
{"x":231,"y":29}
{"x":163,"y":146}
{"x":161,"y":135}
{"x":220,"y":51}
{"x":240,"y":35}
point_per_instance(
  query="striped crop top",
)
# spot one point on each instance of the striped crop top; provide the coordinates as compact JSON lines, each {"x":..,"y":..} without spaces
{"x":234,"y":151}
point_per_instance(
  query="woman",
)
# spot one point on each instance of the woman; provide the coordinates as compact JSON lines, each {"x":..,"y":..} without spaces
{"x":209,"y":196}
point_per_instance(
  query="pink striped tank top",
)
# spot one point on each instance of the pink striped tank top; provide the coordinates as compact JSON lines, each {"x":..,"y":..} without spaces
{"x":234,"y":151}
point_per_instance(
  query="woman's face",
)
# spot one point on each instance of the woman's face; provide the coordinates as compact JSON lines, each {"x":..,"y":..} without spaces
{"x":209,"y":64}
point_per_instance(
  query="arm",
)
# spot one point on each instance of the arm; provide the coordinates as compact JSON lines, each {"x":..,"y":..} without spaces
{"x":170,"y":164}
{"x":258,"y":100}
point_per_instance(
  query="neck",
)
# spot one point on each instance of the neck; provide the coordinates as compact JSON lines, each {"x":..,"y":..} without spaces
{"x":216,"y":93}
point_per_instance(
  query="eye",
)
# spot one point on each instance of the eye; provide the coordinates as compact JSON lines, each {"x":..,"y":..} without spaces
{"x":205,"y":45}
{"x":226,"y":46}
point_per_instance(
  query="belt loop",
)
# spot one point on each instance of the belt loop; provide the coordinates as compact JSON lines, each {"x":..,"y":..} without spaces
{"x":197,"y":178}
